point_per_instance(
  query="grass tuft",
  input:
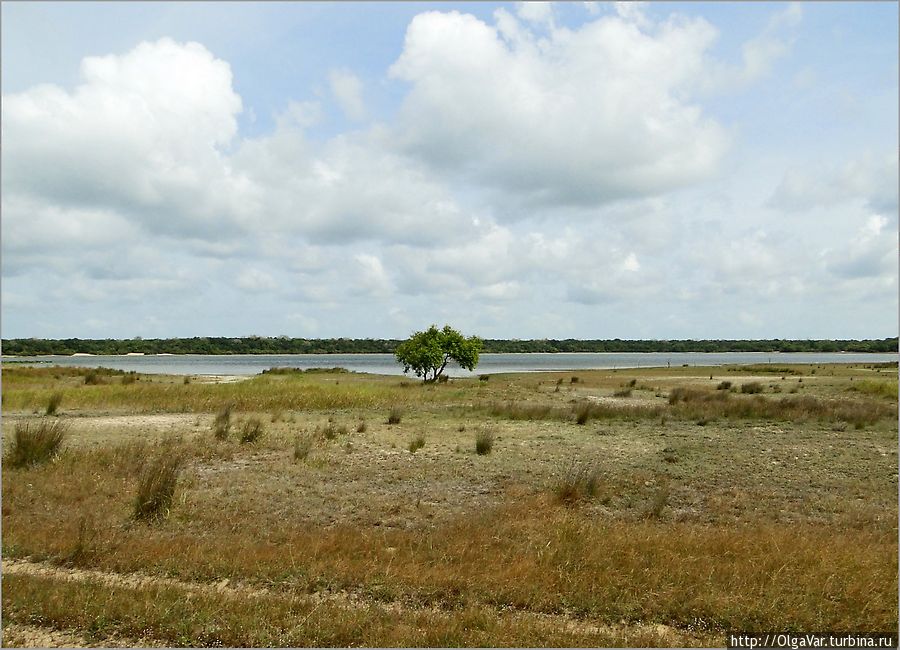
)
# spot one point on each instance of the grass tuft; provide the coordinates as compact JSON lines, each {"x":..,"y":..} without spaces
{"x":484,"y":440}
{"x":222,"y":423}
{"x":53,"y":403}
{"x":578,"y":482}
{"x":395,"y":415}
{"x":302,"y":446}
{"x":752,"y":388}
{"x":251,"y":430}
{"x":156,"y":486}
{"x":416,"y":443}
{"x":36,"y":443}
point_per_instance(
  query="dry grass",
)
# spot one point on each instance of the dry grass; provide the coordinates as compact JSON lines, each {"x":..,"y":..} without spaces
{"x":34,"y":443}
{"x":774,"y":516}
{"x":578,"y":482}
{"x":251,"y":430}
{"x":484,"y":440}
{"x":156,"y":486}
{"x":222,"y":423}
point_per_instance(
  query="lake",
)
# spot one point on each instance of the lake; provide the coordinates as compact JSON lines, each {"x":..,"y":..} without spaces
{"x":384,"y":364}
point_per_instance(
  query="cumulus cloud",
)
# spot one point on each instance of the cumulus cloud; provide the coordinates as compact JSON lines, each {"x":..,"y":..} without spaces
{"x":143,"y":134}
{"x":870,"y":254}
{"x":870,"y":178}
{"x":347,"y":90}
{"x":579,"y":117}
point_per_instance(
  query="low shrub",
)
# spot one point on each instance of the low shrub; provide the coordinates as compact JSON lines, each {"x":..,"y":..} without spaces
{"x":752,"y":388}
{"x":725,"y":385}
{"x":93,"y":379}
{"x":362,"y":427}
{"x":484,"y":441}
{"x":625,"y":392}
{"x":34,"y":443}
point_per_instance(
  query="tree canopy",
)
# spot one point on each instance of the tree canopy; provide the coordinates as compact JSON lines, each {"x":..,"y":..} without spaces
{"x":428,"y":353}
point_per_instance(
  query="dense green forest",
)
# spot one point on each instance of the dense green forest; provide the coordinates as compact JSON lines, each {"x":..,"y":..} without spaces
{"x":285,"y":345}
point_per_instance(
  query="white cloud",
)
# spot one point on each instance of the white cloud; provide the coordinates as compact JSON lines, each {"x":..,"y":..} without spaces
{"x":143,"y":135}
{"x":581,"y":117}
{"x":869,"y":178}
{"x":535,"y":11}
{"x":347,"y":90}
{"x":255,"y":280}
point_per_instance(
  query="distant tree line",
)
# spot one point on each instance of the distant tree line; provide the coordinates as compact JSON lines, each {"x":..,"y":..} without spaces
{"x":285,"y":345}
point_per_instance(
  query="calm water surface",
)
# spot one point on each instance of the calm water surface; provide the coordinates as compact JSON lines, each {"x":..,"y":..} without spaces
{"x":384,"y":364}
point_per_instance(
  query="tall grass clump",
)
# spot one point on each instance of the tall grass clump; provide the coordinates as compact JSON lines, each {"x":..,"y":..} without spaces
{"x":36,"y":442}
{"x":752,"y":388}
{"x":222,"y":423}
{"x":302,"y":447}
{"x":484,"y":441}
{"x":251,"y":430}
{"x":395,"y":415}
{"x":577,"y":483}
{"x":582,"y":413}
{"x":416,"y":443}
{"x":53,"y":403}
{"x":156,"y":486}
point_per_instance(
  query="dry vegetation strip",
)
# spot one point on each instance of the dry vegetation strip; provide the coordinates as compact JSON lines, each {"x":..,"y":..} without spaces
{"x":536,"y":557}
{"x":188,"y":618}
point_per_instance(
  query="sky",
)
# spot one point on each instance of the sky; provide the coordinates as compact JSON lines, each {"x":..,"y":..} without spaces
{"x":517,"y":170}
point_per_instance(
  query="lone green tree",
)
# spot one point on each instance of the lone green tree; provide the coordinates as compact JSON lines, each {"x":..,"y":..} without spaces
{"x":428,"y":353}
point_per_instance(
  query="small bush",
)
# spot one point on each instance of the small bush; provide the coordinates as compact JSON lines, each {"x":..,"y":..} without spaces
{"x":483,"y":377}
{"x":251,"y":430}
{"x":395,"y":415}
{"x":752,"y":388}
{"x":574,"y":380}
{"x":156,"y":486}
{"x":187,"y":380}
{"x":93,"y":379}
{"x":484,"y":441}
{"x":361,"y":427}
{"x":416,"y":443}
{"x":632,"y":383}
{"x":625,"y":392}
{"x":577,"y":483}
{"x":222,"y":423}
{"x":302,"y":446}
{"x":332,"y":430}
{"x":54,"y":402}
{"x":36,"y":442}
{"x":725,"y":385}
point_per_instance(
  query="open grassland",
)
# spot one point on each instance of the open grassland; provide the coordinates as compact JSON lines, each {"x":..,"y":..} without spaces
{"x":654,"y":507}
